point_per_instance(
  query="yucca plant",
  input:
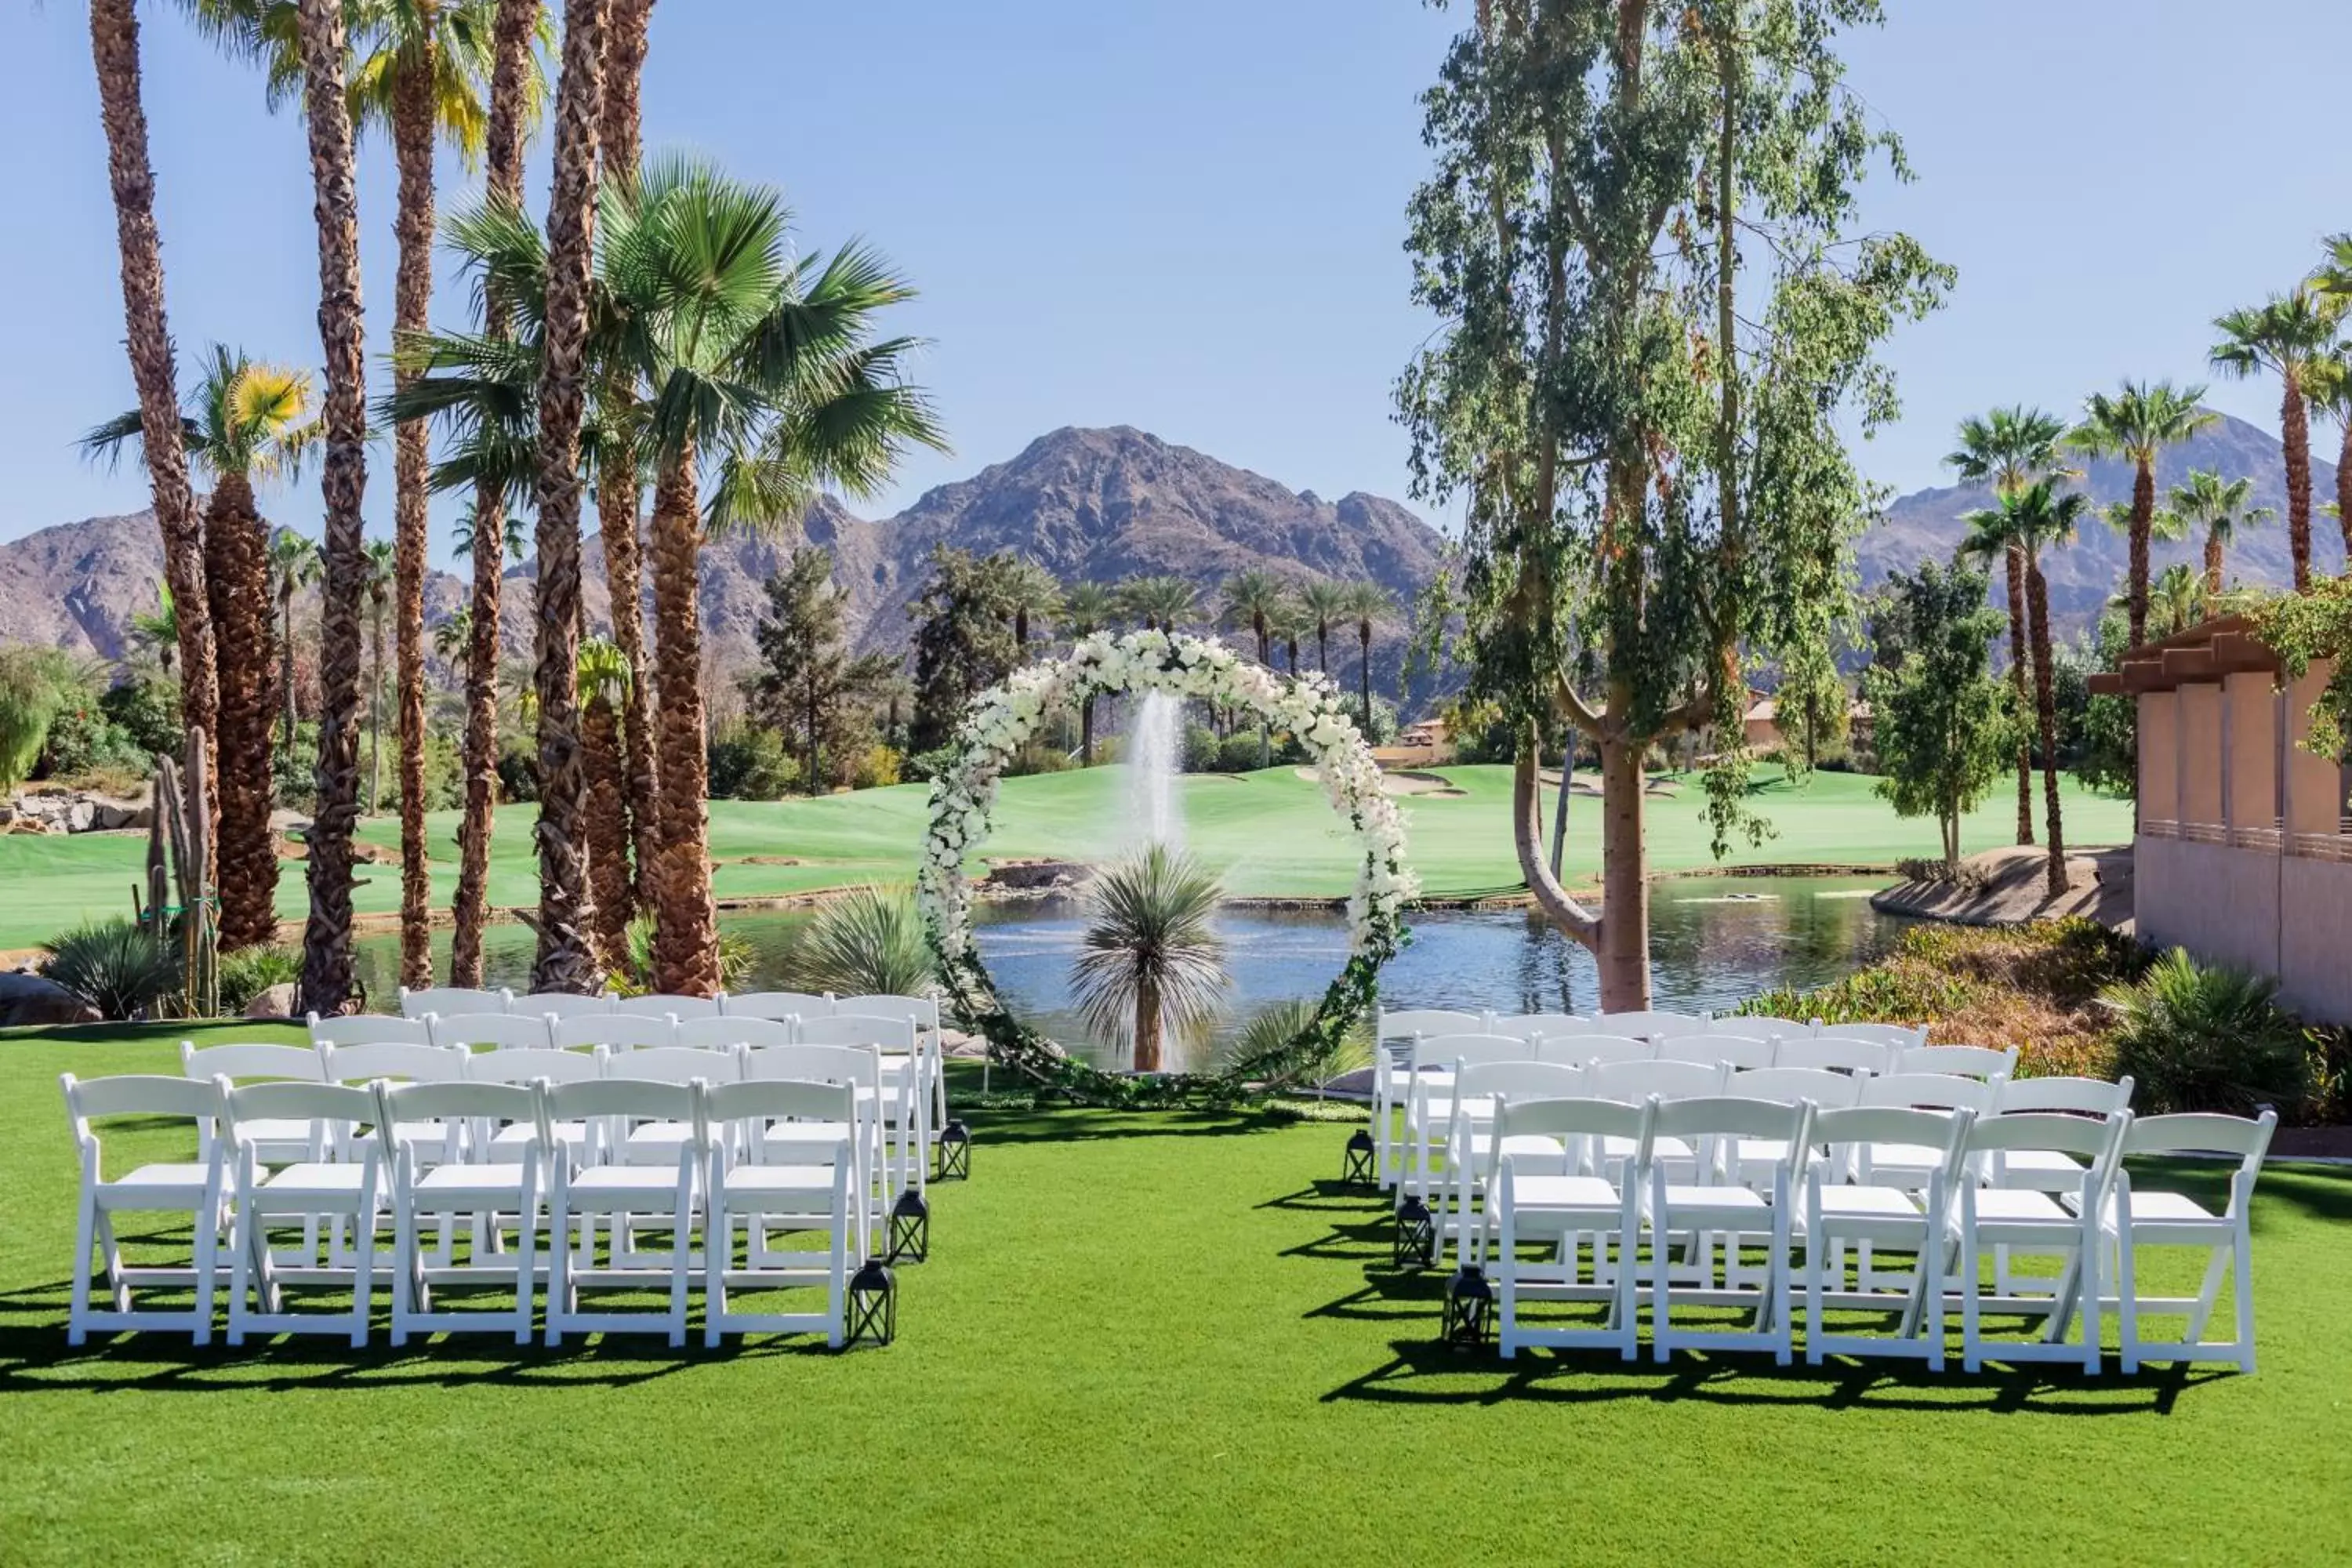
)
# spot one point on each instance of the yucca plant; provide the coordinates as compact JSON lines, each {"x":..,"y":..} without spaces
{"x":1152,"y":962}
{"x":115,"y":965}
{"x":2205,"y":1038}
{"x":869,"y":940}
{"x":248,"y":971}
{"x":1259,"y":1052}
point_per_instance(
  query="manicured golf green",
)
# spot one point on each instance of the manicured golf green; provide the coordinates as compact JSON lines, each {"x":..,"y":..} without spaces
{"x":1139,"y":1338}
{"x":1272,"y":831}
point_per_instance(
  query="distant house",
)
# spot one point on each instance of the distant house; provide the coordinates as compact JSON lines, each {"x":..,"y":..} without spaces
{"x":2244,"y":854}
{"x":1762,"y":724}
{"x":1420,"y":745}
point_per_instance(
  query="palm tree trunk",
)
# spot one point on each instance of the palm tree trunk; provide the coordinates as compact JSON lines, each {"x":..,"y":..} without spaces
{"x":2143,"y":524}
{"x":1265,"y":659}
{"x":685,"y":926}
{"x":2046,"y":709}
{"x":2295,"y":421}
{"x":1364,"y":645}
{"x":114,"y":52}
{"x":412,"y":310}
{"x":512,"y":32}
{"x":1323,"y":647}
{"x":2213,"y":561}
{"x":1086,"y":730}
{"x":326,"y":935}
{"x":286,"y":655}
{"x":608,"y":829}
{"x":1149,"y":1025}
{"x":620,"y":135}
{"x":236,"y":572}
{"x":566,"y":959}
{"x":375,"y":714}
{"x":2013,"y":558}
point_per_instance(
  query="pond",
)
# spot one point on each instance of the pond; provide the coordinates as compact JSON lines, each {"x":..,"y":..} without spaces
{"x":1713,"y":942}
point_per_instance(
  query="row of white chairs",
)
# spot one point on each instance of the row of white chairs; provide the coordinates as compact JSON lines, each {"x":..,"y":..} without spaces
{"x":1625,"y":1178}
{"x":1865,"y":1047}
{"x":754,"y":1158}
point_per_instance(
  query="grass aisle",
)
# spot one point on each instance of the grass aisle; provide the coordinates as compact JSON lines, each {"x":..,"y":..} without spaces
{"x":1140,"y":1339}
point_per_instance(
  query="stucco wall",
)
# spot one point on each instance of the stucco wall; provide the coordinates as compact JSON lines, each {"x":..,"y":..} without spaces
{"x":2316,"y":939}
{"x":2221,"y":904}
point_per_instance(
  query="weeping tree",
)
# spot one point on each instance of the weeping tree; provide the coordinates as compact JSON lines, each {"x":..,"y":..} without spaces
{"x":1656,"y":325}
{"x":1151,"y":963}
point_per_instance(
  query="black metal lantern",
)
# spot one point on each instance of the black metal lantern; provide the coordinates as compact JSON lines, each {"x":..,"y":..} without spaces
{"x":1469,"y":1307}
{"x":954,"y":1154}
{"x":873,"y":1304}
{"x":910,"y":1229}
{"x":1416,"y":1234}
{"x":1357,"y":1170}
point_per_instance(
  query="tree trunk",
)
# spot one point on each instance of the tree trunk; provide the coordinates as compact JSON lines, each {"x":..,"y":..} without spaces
{"x":236,"y":574}
{"x":565,"y":961}
{"x":1148,"y":1025}
{"x":1364,"y":642}
{"x":2295,"y":421}
{"x":1624,"y":950}
{"x":2213,"y":561}
{"x":1559,"y":807}
{"x":511,"y":34}
{"x":1323,"y":649}
{"x":810,"y":713}
{"x":608,"y":830}
{"x":619,"y":136}
{"x":2142,"y":525}
{"x":286,"y":657}
{"x":1086,"y":730}
{"x":375,"y":714}
{"x":327,"y":936}
{"x":685,"y":926}
{"x":2013,"y":559}
{"x":114,"y":52}
{"x":2038,"y":592}
{"x":411,"y":312}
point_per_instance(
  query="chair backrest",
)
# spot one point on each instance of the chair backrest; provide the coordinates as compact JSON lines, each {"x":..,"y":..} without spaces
{"x":1447,"y":1051}
{"x":894,"y":1035}
{"x":1407,"y":1022}
{"x":492,"y":1031}
{"x":369,"y":1029}
{"x":2203,"y":1132}
{"x":1638,"y":1080}
{"x":676,"y":1064}
{"x":1583,"y":1049}
{"x":1537,"y":1027}
{"x":564,"y":1003}
{"x":525,"y":1063}
{"x":1728,"y":1116}
{"x":1789,"y":1085}
{"x":1652,"y":1025}
{"x":298,"y":1063}
{"x":1737,"y":1050}
{"x":727,"y":1029}
{"x":1894,"y":1124}
{"x":391,"y":1059}
{"x":766,"y":1100}
{"x":137,"y":1094}
{"x":407,"y":1104}
{"x":923,"y":1012}
{"x":1893,"y":1036}
{"x":446,"y":999}
{"x":659,"y":1005}
{"x":2085,"y":1096}
{"x":2097,"y":1141}
{"x":1574,"y":1117}
{"x":857,"y":1064}
{"x":1519,"y":1080}
{"x":777,"y":1004}
{"x":615,"y":1032}
{"x":1832,"y":1053}
{"x":337,"y":1103}
{"x":647,"y":1099}
{"x":1930,"y":1091}
{"x":1966,"y":1061}
{"x":1766,"y":1026}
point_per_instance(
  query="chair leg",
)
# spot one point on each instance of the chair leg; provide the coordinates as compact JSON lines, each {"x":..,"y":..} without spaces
{"x":363,"y":1276}
{"x":718,"y":1247}
{"x":559,"y":1267}
{"x":404,"y":1259}
{"x":1971,"y":1319}
{"x":2241,"y":1285}
{"x":241,"y":1241}
{"x":110,"y":1253}
{"x":836,"y":1279}
{"x":1932,"y":1254}
{"x":681,"y":1242}
{"x":208,"y":1259}
{"x":1660,"y":1264}
{"x":526,"y":1263}
{"x":1814,"y":1259}
{"x":2208,"y":1294}
{"x":2093,"y":1352}
{"x":2126,"y":1303}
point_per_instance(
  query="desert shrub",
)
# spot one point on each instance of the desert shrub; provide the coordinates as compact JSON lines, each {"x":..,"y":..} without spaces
{"x":112,"y":964}
{"x":633,"y":976}
{"x":922,"y":767}
{"x":36,"y":685}
{"x":874,"y":768}
{"x":870,"y":940}
{"x":747,"y":761}
{"x":1037,"y":757}
{"x":249,"y":971}
{"x":1241,"y":754}
{"x":2207,"y":1037}
{"x":445,"y":776}
{"x":1933,"y":869}
{"x":89,"y":748}
{"x":148,"y":711}
{"x":1201,"y":745}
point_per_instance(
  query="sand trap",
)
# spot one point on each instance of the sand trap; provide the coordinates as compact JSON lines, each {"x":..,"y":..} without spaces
{"x":1407,"y":783}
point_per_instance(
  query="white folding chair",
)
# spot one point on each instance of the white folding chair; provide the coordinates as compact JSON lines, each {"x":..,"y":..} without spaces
{"x":396,"y":1062}
{"x":1739,"y":1052}
{"x":1786,"y":1086}
{"x":564,"y":1003}
{"x":1535,"y":1027}
{"x":1889,"y":1037}
{"x":502,"y":1141}
{"x":369,"y":1029}
{"x":1635,"y":1081}
{"x":347,"y":1192}
{"x":2036,"y":1222}
{"x":1429,"y":1084}
{"x":1551,"y":1204}
{"x":805,"y":1195}
{"x":923,"y":1014}
{"x":449,"y":999}
{"x":1908,"y":1166}
{"x":1831,"y":1053}
{"x":1653,"y":1025}
{"x":493,"y":1031}
{"x":1585,"y":1050}
{"x":904,"y":1096}
{"x":658,"y":1005}
{"x":780,"y":1005}
{"x":622,"y":1195}
{"x":1477,"y":1093}
{"x":1715,"y":1206}
{"x":194,"y":1189}
{"x":658,"y":1142}
{"x":886,"y":1164}
{"x":1961,"y":1061}
{"x":727,"y":1030}
{"x":434,"y":1186}
{"x":1836,"y":1215}
{"x":619,"y":1033}
{"x":1764,"y":1025}
{"x":1392,"y":1035}
{"x":2047,"y":1170}
{"x":2139,"y":1216}
{"x":282,"y":1140}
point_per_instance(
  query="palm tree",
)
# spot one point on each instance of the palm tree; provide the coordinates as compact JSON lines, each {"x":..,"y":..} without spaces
{"x":293,"y":565}
{"x":2178,"y":592}
{"x":2334,"y":283}
{"x":2293,"y":336}
{"x":1162,"y":601}
{"x":453,"y":637}
{"x":1087,"y":608}
{"x":1289,"y":621}
{"x":114,"y":54}
{"x":1035,"y":596}
{"x":1365,"y":601}
{"x":1151,"y":960}
{"x":2218,"y":506}
{"x":158,"y":628}
{"x":604,"y":675}
{"x":248,"y":422}
{"x":1255,"y":599}
{"x":1326,"y":605}
{"x":2136,"y":424}
{"x":2009,"y":450}
{"x":383,"y":568}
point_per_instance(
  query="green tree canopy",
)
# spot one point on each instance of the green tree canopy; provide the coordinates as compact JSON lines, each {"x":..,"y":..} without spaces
{"x":1943,"y":727}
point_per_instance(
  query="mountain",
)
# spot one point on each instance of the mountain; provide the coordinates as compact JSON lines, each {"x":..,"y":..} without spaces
{"x":1927,"y":524}
{"x":1092,"y":505}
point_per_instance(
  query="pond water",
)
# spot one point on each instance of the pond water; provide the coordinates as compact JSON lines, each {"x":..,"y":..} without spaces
{"x":1713,"y":942}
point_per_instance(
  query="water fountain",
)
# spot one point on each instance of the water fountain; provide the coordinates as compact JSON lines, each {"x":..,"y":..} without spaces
{"x":1155,"y":774}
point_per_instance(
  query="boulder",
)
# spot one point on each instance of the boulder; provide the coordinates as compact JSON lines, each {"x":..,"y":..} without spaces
{"x":28,"y":998}
{"x":276,"y":1002}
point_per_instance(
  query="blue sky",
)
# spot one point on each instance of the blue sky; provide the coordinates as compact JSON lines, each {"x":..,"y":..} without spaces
{"x":1188,"y":217}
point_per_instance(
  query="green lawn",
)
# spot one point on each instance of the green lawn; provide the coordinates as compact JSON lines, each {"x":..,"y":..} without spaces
{"x":1272,"y":830}
{"x":1140,"y":1340}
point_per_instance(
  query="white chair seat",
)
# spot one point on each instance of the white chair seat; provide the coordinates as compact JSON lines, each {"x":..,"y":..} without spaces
{"x":1866,"y":1203}
{"x":810,"y":1181}
{"x":316,"y":1179}
{"x":455,"y":1186}
{"x":2006,"y":1205}
{"x":657,"y":1142}
{"x":516,"y":1136}
{"x":1687,"y":1201}
{"x":155,"y":1186}
{"x":2041,"y":1162}
{"x":1888,"y":1158}
{"x":624,"y":1182}
{"x":1536,"y":1194}
{"x":2165,"y":1208}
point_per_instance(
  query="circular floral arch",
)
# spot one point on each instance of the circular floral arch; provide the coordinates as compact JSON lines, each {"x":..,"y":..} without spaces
{"x":1308,"y":707}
